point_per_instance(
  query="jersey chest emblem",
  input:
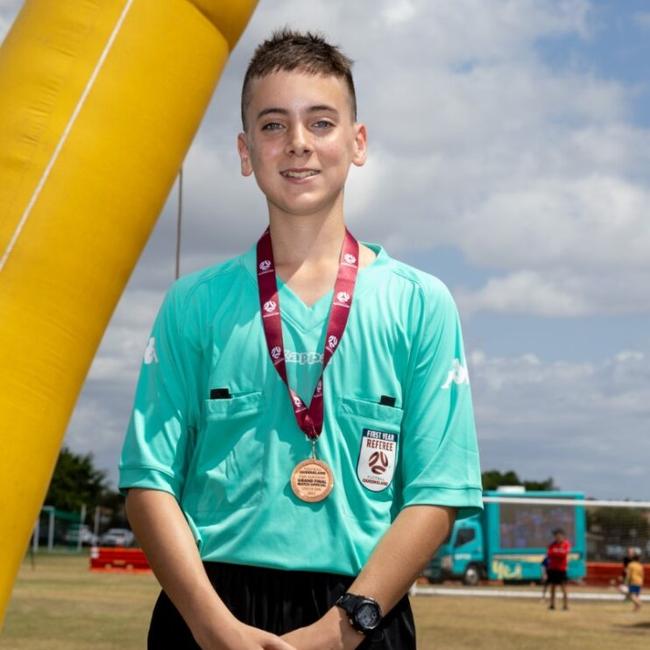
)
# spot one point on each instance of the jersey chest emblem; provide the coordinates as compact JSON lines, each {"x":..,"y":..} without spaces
{"x":377,"y":458}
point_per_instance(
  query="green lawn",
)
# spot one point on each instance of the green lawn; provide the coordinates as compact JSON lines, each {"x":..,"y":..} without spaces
{"x":60,"y":605}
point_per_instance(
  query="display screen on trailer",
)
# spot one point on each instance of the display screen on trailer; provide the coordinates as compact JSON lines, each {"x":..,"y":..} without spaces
{"x":531,"y":525}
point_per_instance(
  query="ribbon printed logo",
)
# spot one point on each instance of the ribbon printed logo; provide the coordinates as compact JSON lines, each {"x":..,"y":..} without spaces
{"x":265,"y":266}
{"x":343,"y":299}
{"x":332,"y":342}
{"x":377,"y":458}
{"x":270,"y":308}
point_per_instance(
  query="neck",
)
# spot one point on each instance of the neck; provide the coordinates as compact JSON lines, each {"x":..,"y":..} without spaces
{"x":306,"y":239}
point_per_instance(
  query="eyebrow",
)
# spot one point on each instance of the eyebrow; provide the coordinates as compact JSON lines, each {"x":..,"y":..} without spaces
{"x":318,"y":108}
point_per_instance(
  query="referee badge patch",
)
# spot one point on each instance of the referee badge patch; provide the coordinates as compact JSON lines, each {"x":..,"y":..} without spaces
{"x":377,"y":458}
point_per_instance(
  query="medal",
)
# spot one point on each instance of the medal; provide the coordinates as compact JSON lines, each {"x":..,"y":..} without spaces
{"x":311,"y":480}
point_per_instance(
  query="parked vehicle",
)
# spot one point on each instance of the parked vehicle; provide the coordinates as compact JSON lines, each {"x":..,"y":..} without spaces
{"x":73,"y":534}
{"x":508,"y":540}
{"x":117,"y":537}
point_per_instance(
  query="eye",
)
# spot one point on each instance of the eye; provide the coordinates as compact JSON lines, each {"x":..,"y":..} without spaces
{"x":271,"y":126}
{"x":323,"y":124}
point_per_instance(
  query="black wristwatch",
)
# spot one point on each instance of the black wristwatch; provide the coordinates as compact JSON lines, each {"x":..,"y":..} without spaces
{"x":363,"y":613}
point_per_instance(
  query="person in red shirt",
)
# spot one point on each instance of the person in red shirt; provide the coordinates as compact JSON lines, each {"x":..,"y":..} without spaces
{"x":558,"y":561}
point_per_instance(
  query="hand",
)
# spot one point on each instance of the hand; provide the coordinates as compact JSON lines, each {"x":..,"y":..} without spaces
{"x":331,"y":632}
{"x":238,"y":636}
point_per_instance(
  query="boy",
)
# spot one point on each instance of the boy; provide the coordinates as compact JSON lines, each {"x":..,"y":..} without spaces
{"x":558,"y":562}
{"x":634,"y":580}
{"x":297,"y":451}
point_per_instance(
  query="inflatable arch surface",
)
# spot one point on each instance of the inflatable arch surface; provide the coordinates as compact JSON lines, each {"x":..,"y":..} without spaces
{"x":99,"y":102}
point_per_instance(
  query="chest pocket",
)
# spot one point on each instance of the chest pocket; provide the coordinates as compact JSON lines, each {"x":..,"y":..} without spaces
{"x":229,"y":457}
{"x":372,"y":432}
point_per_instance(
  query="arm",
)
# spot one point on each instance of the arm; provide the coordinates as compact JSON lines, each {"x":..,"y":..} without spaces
{"x":439,"y":463}
{"x":167,"y":541}
{"x":394,"y":565}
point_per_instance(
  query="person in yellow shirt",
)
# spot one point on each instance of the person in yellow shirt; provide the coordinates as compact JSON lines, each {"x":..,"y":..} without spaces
{"x":634,"y":578}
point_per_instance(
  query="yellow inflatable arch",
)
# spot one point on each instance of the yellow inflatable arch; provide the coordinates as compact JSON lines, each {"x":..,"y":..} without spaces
{"x":99,"y":102}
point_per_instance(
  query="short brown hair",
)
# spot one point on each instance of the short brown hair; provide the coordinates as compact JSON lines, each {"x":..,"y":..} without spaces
{"x":289,"y":50}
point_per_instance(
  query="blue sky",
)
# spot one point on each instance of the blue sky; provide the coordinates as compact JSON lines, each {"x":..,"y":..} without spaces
{"x":510,"y":156}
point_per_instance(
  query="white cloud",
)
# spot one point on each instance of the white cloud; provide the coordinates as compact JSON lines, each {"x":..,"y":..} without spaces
{"x":585,"y":424}
{"x":557,"y":293}
{"x":523,"y":292}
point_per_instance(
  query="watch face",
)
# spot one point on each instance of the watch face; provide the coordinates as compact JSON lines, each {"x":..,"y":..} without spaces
{"x":368,"y":616}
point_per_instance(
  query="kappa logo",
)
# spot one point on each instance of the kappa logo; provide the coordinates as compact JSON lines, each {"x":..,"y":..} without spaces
{"x":270,"y":306}
{"x":348,"y":258}
{"x":297,"y":401}
{"x":265,"y":265}
{"x":332,"y":342}
{"x":458,"y":374}
{"x":319,"y":387}
{"x":276,"y":351}
{"x":150,"y":355}
{"x":343,"y":296}
{"x":303,"y":358}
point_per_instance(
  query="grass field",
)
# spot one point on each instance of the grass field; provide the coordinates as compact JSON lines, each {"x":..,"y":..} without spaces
{"x":60,"y":605}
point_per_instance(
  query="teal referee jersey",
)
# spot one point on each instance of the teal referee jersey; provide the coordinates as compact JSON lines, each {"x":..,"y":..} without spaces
{"x":212,"y":422}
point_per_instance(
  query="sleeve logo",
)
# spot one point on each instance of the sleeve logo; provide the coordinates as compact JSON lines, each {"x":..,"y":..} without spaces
{"x":265,"y":265}
{"x":377,"y":459}
{"x":150,"y":355}
{"x":458,"y":375}
{"x":270,"y":306}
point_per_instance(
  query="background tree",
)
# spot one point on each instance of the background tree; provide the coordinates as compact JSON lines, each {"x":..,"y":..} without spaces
{"x":76,"y":481}
{"x":493,"y":478}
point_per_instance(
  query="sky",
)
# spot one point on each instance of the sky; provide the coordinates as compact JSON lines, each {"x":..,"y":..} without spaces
{"x":509,"y":156}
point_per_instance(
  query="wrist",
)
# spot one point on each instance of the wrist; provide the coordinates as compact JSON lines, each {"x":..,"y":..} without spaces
{"x":338,"y":631}
{"x":220,"y":633}
{"x":211,"y":621}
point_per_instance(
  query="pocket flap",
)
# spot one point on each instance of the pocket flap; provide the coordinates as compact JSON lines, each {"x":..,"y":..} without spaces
{"x":235,"y":406}
{"x":370,"y":410}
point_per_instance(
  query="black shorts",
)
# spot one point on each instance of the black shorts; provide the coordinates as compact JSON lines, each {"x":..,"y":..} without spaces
{"x":556,"y":577}
{"x":278,"y":602}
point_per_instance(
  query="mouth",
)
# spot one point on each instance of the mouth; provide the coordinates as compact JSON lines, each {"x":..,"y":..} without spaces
{"x":299,"y":173}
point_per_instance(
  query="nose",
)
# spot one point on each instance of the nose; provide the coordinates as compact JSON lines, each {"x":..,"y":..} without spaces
{"x":298,"y":141}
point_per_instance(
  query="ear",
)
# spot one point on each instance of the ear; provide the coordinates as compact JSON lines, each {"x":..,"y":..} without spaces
{"x":360,"y":153}
{"x":244,"y":155}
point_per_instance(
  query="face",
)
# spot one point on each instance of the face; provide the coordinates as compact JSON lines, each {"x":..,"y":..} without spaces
{"x":300,"y":141}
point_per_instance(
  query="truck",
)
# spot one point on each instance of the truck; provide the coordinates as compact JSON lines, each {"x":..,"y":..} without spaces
{"x":508,"y":540}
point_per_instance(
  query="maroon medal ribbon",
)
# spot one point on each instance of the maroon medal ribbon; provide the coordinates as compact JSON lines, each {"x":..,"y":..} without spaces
{"x":309,"y":419}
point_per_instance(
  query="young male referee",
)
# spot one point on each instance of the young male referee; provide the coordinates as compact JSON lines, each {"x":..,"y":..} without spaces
{"x":302,"y":436}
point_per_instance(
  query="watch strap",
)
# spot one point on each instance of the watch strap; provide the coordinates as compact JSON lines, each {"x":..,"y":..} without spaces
{"x":351,"y":603}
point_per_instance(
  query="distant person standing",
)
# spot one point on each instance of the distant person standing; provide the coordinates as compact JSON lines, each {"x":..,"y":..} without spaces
{"x":634,"y":579}
{"x":623,"y":584}
{"x":558,"y":561}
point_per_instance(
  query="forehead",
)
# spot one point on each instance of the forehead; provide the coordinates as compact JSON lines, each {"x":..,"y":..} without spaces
{"x":296,"y":90}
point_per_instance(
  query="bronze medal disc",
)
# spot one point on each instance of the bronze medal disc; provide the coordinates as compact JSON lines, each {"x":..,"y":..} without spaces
{"x":312,"y":480}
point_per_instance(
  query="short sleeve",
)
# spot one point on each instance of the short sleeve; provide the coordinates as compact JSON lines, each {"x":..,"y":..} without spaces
{"x":163,"y":423}
{"x":439,"y":459}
